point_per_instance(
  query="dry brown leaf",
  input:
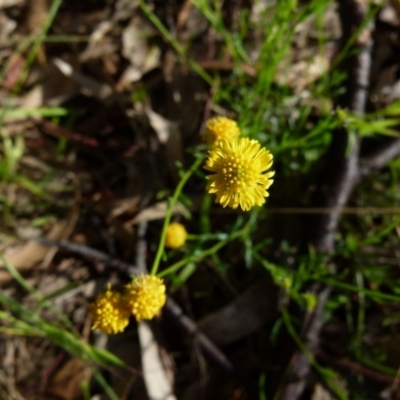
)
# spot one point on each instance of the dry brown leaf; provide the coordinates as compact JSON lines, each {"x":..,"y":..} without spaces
{"x":25,"y":256}
{"x":396,"y":7}
{"x":135,"y":48}
{"x":67,"y":381}
{"x":7,"y":26}
{"x":320,"y":393}
{"x":10,"y":3}
{"x":13,"y":69}
{"x":161,"y":125}
{"x":247,"y":313}
{"x":191,"y":22}
{"x":32,"y":99}
{"x":168,"y":134}
{"x":303,"y":73}
{"x":127,"y":205}
{"x":87,"y":84}
{"x":156,"y":211}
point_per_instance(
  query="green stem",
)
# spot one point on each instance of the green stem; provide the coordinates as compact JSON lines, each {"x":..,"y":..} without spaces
{"x":174,"y":42}
{"x":171,"y":204}
{"x":207,"y":236}
{"x":327,"y":374}
{"x":34,"y":43}
{"x":203,"y":254}
{"x":38,"y":40}
{"x":48,"y":39}
{"x":372,"y":293}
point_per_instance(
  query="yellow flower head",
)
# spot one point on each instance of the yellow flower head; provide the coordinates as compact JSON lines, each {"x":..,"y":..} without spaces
{"x":176,"y":235}
{"x":220,"y":128}
{"x":239,"y":177}
{"x":145,"y":296}
{"x":110,"y":312}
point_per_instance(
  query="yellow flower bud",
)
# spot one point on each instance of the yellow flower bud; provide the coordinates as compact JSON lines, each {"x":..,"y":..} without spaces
{"x":219,"y":128}
{"x":176,"y":235}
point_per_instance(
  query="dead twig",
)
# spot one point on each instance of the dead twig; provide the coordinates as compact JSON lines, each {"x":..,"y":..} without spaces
{"x":341,"y":173}
{"x":208,"y":347}
{"x":61,"y":132}
{"x":353,"y":367}
{"x":339,"y":178}
{"x":380,"y":157}
{"x":300,"y":364}
{"x":120,"y":266}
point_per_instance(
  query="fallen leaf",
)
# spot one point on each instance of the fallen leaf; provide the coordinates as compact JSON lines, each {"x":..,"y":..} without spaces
{"x":67,"y":381}
{"x":26,"y":256}
{"x":320,"y":393}
{"x":157,"y":211}
{"x":256,"y":306}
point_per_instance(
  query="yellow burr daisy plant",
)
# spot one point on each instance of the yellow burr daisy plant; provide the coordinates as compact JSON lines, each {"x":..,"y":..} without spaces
{"x":220,"y":128}
{"x":110,"y":312}
{"x":176,"y":235}
{"x":145,"y":296}
{"x":239,"y":173}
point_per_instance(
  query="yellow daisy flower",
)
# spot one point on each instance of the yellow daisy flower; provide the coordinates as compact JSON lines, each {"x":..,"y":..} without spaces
{"x":220,"y":128}
{"x":176,"y":235}
{"x":239,"y":177}
{"x":110,"y":312}
{"x":145,"y":296}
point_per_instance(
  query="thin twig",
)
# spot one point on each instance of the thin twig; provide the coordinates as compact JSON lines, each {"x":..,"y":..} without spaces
{"x":141,"y":248}
{"x":354,"y":367}
{"x":380,"y":158}
{"x":85,"y":251}
{"x":296,"y":377}
{"x":208,"y":347}
{"x":328,"y":210}
{"x":60,"y":132}
{"x":339,"y":178}
{"x":341,"y":173}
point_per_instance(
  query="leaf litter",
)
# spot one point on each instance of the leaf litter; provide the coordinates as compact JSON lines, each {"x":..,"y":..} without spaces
{"x":126,"y":108}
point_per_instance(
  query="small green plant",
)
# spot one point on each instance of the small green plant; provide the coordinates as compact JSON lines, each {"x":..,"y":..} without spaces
{"x":13,"y":150}
{"x":293,"y":116}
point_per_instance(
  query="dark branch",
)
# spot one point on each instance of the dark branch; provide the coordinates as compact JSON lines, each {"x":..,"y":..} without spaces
{"x":341,"y":172}
{"x":380,"y":158}
{"x":88,"y":252}
{"x":208,"y":347}
{"x":300,"y":363}
{"x":339,"y":178}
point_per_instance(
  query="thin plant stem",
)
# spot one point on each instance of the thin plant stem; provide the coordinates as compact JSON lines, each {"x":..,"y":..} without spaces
{"x":38,"y":296}
{"x":209,"y":236}
{"x":48,"y":39}
{"x":173,"y":42}
{"x":35,"y":42}
{"x":171,"y":204}
{"x":324,"y":372}
{"x":203,"y":254}
{"x":368,"y":292}
{"x":104,"y":384}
